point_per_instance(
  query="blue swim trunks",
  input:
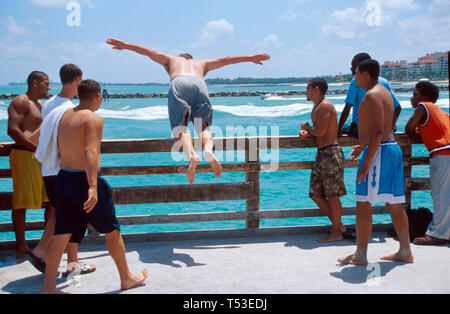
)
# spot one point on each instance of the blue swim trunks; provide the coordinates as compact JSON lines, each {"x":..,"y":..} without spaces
{"x":385,"y":182}
{"x":189,"y":97}
{"x":71,"y":192}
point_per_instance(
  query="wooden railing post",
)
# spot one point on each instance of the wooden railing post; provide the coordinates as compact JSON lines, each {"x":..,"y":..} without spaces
{"x":252,"y":158}
{"x":407,"y":172}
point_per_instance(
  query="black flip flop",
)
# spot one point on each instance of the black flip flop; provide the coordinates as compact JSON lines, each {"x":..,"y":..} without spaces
{"x":350,"y":234}
{"x":37,"y":262}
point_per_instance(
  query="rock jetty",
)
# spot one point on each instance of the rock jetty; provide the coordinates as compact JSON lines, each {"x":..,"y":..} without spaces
{"x":281,"y":93}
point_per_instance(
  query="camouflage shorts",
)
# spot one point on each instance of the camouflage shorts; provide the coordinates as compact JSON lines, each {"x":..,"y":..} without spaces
{"x":327,"y":176}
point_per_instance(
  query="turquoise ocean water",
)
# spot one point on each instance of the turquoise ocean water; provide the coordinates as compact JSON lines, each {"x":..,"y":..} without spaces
{"x":148,"y":118}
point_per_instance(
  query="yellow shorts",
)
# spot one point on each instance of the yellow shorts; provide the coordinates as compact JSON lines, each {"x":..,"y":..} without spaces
{"x":28,"y":184}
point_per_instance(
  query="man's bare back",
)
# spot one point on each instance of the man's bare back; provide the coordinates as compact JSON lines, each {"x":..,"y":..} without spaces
{"x":181,"y":66}
{"x":80,"y":131}
{"x":375,"y":115}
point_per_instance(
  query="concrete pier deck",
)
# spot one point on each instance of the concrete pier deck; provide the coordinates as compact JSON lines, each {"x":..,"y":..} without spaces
{"x":261,"y":265}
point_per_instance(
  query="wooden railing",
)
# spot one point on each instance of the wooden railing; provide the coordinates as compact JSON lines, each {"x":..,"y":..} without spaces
{"x":248,"y":190}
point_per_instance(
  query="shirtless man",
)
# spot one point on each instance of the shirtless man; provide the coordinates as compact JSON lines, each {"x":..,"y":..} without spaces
{"x":327,"y":176}
{"x":189,"y":98}
{"x":380,"y":174}
{"x":24,"y":117}
{"x":79,"y":138}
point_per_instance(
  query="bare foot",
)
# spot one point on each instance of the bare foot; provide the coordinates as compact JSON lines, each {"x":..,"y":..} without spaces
{"x":354,"y":260}
{"x":135,"y":280}
{"x":399,"y":257}
{"x":332,"y":237}
{"x":215,"y":164}
{"x":192,"y":167}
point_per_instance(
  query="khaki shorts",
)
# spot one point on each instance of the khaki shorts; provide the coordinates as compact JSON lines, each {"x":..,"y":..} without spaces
{"x":327,"y":176}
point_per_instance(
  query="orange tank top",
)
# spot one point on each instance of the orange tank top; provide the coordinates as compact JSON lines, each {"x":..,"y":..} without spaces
{"x":435,"y":131}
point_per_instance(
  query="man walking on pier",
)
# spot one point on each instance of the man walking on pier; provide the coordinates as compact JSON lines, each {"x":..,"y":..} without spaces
{"x":189,"y":97}
{"x":380,"y":176}
{"x":327,"y":176}
{"x":81,"y":195}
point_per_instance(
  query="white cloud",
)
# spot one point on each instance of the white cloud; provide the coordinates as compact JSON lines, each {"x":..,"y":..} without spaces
{"x":15,"y":29}
{"x":218,"y":31}
{"x":430,"y":30}
{"x":398,"y":5}
{"x":347,"y":24}
{"x":60,"y":3}
{"x":439,"y":8}
{"x":292,"y":13}
{"x":11,"y":49}
{"x":353,"y":23}
{"x":305,"y":49}
{"x":37,"y":22}
{"x":271,"y":41}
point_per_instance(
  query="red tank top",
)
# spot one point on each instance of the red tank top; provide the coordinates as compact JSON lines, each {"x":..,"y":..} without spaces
{"x":435,"y":131}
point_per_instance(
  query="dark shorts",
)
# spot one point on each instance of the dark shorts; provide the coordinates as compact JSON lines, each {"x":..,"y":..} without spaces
{"x":327,"y":176}
{"x":49,"y":183}
{"x":188,"y":98}
{"x":71,"y":192}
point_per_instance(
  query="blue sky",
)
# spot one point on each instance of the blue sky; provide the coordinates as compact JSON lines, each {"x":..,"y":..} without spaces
{"x":304,"y":37}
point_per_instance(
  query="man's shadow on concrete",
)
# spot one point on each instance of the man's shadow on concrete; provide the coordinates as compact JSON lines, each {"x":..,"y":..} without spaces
{"x":164,"y":254}
{"x":364,"y":274}
{"x":30,"y":285}
{"x":309,"y":242}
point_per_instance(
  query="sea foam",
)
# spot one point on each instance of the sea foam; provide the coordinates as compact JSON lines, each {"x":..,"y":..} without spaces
{"x":248,"y":110}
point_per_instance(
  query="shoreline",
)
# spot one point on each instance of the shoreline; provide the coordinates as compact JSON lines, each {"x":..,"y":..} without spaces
{"x":11,"y":84}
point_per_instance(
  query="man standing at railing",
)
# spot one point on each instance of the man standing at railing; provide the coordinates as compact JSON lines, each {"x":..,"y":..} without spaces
{"x":24,"y":117}
{"x":327,"y":176}
{"x":356,"y":94}
{"x":189,"y":97}
{"x":380,"y":176}
{"x":434,"y":127}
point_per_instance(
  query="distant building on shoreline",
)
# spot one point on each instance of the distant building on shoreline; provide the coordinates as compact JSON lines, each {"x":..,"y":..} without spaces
{"x":433,"y":66}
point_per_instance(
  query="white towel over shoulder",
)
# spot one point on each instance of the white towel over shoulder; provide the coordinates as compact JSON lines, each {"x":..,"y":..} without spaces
{"x":47,"y":151}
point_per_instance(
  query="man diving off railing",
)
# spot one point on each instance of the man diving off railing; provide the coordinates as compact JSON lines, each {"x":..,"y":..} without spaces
{"x":189,"y":97}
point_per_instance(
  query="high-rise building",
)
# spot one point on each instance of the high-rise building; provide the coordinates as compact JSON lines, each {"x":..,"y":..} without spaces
{"x":432,"y":66}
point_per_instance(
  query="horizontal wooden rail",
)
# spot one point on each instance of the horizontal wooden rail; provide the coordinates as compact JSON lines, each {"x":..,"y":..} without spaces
{"x":211,"y":217}
{"x":184,"y":193}
{"x":235,"y":143}
{"x":170,"y":194}
{"x":195,"y":193}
